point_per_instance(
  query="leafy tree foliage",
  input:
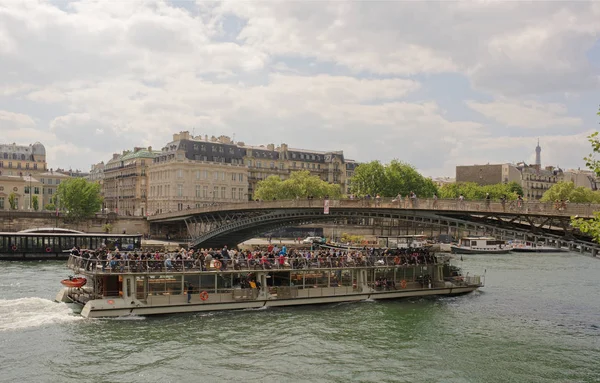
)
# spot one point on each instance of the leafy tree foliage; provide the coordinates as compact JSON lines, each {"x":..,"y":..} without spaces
{"x":12,"y":201}
{"x":79,"y":198}
{"x":473,"y":191}
{"x":35,"y":202}
{"x":591,"y":226}
{"x":390,"y":180}
{"x":566,"y":191}
{"x":300,"y":185}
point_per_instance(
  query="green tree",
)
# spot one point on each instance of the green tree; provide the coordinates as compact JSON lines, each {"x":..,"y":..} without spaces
{"x":566,"y":191}
{"x":35,"y":202}
{"x":473,"y":191}
{"x":12,"y":201}
{"x":79,"y":198}
{"x":390,"y":180}
{"x":300,"y":185}
{"x":591,"y":226}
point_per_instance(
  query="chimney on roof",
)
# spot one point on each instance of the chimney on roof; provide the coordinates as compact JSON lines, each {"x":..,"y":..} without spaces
{"x":150,"y":148}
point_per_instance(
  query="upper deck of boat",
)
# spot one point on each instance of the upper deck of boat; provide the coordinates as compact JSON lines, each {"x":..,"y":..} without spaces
{"x":93,"y":266}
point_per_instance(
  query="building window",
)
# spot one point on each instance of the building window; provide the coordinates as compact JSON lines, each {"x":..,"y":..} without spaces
{"x":197,"y":174}
{"x":281,"y":165}
{"x":216,"y":176}
{"x":258,"y":164}
{"x":233,"y":176}
{"x":36,"y":190}
{"x":179,"y":173}
{"x":223,"y":192}
{"x":215,"y":192}
{"x":205,"y":174}
{"x":198,"y":191}
{"x":232,"y":193}
{"x":1,"y":203}
{"x":204,"y":191}
{"x":294,"y":165}
{"x":241,"y":177}
{"x":222,"y":176}
{"x":179,"y":190}
{"x":249,"y":163}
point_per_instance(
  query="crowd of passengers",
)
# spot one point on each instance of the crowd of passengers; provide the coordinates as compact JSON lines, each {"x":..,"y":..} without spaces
{"x":269,"y":258}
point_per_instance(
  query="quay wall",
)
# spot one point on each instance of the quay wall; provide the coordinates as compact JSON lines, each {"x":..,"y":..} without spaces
{"x":11,"y":221}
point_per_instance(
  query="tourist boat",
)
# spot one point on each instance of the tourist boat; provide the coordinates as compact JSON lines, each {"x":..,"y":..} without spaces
{"x":147,"y":287}
{"x":532,"y":247}
{"x":480,"y":245}
{"x":76,"y":282}
{"x":417,"y":241}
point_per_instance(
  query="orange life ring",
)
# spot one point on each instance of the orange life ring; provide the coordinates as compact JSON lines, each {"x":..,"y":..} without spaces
{"x":204,"y":295}
{"x":110,"y":302}
{"x":48,"y":250}
{"x":217,"y":265}
{"x":397,"y":260}
{"x":403,"y":284}
{"x":14,"y":247}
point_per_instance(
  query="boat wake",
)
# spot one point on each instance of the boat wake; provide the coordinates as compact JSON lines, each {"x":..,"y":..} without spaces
{"x":16,"y":314}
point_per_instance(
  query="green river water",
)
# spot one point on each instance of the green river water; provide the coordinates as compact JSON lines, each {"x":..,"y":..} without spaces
{"x":536,"y":320}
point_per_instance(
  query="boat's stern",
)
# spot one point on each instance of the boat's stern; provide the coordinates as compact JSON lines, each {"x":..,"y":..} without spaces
{"x":63,"y":296}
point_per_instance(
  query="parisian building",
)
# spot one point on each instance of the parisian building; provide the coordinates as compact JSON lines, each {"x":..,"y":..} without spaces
{"x":21,"y":190}
{"x":22,"y":160}
{"x":194,"y":171}
{"x":534,"y":179}
{"x":124,"y":182}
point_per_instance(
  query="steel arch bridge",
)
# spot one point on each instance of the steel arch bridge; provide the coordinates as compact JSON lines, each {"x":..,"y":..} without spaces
{"x":231,"y":224}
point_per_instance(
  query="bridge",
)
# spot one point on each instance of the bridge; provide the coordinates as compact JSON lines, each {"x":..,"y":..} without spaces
{"x":233,"y":223}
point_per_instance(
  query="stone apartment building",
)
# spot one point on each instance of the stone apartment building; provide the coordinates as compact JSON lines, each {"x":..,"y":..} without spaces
{"x":125,"y":182}
{"x":23,"y":189}
{"x":190,"y":173}
{"x":195,"y":171}
{"x":21,"y":160}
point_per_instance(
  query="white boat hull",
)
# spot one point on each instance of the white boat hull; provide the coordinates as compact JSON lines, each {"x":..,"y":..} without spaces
{"x":119,"y":307}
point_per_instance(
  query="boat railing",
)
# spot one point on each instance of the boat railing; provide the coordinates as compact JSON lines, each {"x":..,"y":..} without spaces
{"x":84,"y":265}
{"x":477,"y":280}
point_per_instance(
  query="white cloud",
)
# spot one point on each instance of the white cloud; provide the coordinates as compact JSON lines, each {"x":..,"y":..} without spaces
{"x":14,"y":120}
{"x":526,"y":114}
{"x":105,"y":76}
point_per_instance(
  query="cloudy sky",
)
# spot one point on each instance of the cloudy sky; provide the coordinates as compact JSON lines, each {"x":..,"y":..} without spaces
{"x":435,"y":84}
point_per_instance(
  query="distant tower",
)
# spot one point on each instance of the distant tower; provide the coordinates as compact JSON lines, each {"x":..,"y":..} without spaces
{"x":538,"y":155}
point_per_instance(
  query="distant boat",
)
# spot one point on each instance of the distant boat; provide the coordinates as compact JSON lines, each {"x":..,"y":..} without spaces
{"x":480,"y":245}
{"x":532,"y":247}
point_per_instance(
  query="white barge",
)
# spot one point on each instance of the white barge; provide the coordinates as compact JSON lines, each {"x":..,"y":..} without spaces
{"x":480,"y":245}
{"x":145,"y":287}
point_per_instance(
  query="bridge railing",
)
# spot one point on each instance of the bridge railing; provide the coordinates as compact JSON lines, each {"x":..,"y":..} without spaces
{"x":513,"y":206}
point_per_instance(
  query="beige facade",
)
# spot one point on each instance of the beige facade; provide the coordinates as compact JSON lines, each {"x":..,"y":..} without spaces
{"x":21,"y":160}
{"x":23,"y":189}
{"x":50,"y":181}
{"x":125,"y":182}
{"x":581,"y":178}
{"x":177,"y":182}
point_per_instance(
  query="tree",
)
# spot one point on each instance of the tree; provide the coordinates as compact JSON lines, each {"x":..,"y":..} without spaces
{"x":566,"y":191}
{"x":35,"y":202}
{"x":12,"y":201}
{"x":390,"y":180}
{"x":473,"y":191}
{"x":79,"y":198}
{"x":591,"y":226}
{"x":300,"y":185}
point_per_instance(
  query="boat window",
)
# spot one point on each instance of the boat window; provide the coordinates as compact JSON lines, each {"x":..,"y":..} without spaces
{"x":473,"y":243}
{"x":140,"y":287}
{"x":316,"y":279}
{"x":164,"y":285}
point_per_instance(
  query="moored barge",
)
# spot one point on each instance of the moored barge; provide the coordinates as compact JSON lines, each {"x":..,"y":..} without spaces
{"x":147,"y":287}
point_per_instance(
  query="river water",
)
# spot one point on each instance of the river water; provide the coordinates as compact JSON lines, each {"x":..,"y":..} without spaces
{"x":536,"y":320}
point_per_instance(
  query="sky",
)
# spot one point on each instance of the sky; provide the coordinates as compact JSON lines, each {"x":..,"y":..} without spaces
{"x":433,"y":84}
